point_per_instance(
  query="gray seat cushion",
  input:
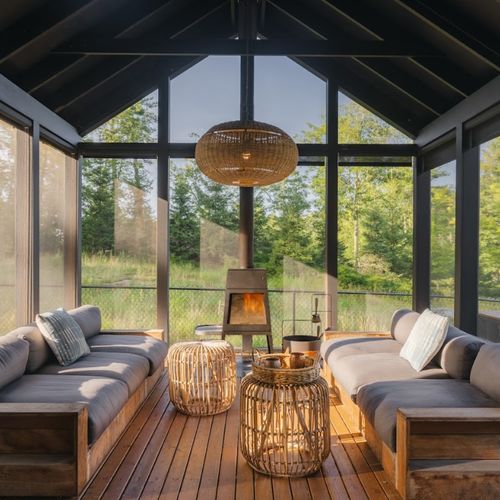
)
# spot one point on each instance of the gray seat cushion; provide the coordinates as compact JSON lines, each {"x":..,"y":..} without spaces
{"x":353,"y":372}
{"x":13,"y":358}
{"x":89,"y":319}
{"x":104,"y":397}
{"x":380,"y":401}
{"x":331,"y":350}
{"x":129,"y":368}
{"x":486,"y":370}
{"x":152,"y":349}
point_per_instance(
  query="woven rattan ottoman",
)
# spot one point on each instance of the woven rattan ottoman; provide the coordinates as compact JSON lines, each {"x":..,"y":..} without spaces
{"x":284,"y":420}
{"x":202,"y":376}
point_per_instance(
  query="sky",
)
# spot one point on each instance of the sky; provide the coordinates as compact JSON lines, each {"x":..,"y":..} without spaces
{"x":286,"y":95}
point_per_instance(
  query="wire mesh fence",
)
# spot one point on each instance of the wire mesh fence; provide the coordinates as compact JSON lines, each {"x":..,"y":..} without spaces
{"x":131,"y":307}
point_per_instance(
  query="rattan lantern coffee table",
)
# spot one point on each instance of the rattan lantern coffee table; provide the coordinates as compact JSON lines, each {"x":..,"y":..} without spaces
{"x":202,"y":376}
{"x":284,"y":420}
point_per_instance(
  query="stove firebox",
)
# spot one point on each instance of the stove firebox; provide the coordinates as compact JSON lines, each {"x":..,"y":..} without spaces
{"x":246,"y":308}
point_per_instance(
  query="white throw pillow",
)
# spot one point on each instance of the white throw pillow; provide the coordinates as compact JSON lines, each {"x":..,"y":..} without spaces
{"x":426,"y":338}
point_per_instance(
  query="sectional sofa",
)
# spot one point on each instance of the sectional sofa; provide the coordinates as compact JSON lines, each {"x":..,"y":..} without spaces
{"x":58,"y":423}
{"x":437,"y":431}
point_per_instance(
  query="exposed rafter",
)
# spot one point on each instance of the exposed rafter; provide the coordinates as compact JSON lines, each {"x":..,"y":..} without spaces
{"x":134,"y":19}
{"x":409,"y":61}
{"x":369,"y":90}
{"x":122,"y":90}
{"x":48,"y":20}
{"x":394,"y":76}
{"x":438,"y":21}
{"x":107,"y":69}
{"x":382,"y":29}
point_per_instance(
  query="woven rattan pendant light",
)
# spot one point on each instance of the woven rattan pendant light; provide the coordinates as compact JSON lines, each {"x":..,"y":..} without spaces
{"x":246,"y":153}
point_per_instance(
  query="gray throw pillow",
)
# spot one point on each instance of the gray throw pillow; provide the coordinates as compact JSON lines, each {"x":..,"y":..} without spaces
{"x":64,"y":336}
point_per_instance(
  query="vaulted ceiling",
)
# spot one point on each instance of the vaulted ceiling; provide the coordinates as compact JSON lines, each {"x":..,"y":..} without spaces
{"x":409,"y":61}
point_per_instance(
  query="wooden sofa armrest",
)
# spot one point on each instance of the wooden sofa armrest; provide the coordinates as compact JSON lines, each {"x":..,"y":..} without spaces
{"x":156,"y":333}
{"x":336,"y":334}
{"x":43,"y":448}
{"x":436,"y":434}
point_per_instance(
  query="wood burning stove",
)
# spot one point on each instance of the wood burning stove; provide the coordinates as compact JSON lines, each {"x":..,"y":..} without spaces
{"x":246,"y":310}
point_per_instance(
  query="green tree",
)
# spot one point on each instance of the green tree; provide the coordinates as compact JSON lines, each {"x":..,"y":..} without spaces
{"x":489,"y":220}
{"x":184,"y":224}
{"x":443,"y":230}
{"x":375,"y":207}
{"x":103,"y":179}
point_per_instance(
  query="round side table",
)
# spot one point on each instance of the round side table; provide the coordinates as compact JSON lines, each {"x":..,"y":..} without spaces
{"x":202,"y":376}
{"x":284,"y":420}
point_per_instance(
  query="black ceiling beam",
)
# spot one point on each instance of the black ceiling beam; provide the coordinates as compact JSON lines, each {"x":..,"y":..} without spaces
{"x":380,"y":29}
{"x":133,"y":18}
{"x":291,"y":47}
{"x":429,"y":15}
{"x":49,"y":18}
{"x":108,"y":69}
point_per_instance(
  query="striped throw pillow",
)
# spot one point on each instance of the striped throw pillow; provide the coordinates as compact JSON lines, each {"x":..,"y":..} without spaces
{"x":426,"y":338}
{"x":64,"y":336}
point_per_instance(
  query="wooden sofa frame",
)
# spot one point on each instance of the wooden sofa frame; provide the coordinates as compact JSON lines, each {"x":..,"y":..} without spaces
{"x":448,"y":452}
{"x":44,"y":447}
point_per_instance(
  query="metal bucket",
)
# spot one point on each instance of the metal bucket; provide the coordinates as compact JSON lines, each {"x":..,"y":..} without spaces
{"x":308,"y":344}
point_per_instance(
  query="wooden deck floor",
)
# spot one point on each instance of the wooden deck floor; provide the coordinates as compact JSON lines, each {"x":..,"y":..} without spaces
{"x":164,"y":454}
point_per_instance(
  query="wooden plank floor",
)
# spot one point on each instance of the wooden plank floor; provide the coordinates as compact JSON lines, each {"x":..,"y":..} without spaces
{"x":164,"y":454}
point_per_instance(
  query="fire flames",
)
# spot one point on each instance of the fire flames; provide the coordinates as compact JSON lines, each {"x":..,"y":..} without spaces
{"x":253,"y":303}
{"x":247,"y":309}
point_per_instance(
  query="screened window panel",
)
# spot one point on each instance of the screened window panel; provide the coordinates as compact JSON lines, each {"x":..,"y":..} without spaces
{"x":203,"y":237}
{"x":290,"y":238}
{"x":290,"y":97}
{"x":119,"y":218}
{"x":137,"y":123}
{"x":52,"y":214}
{"x":489,"y":241}
{"x":13,"y":151}
{"x":375,"y":245}
{"x":204,"y":95}
{"x":443,"y":191}
{"x":358,"y":125}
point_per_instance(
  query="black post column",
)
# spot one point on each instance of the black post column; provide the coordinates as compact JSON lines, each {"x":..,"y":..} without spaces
{"x":467,"y":234}
{"x":332,"y":201}
{"x":421,"y":234}
{"x":247,"y":30}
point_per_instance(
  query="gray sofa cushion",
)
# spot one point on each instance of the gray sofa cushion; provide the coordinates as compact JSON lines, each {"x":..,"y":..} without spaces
{"x":129,"y":368}
{"x":353,"y":372}
{"x":13,"y":358}
{"x":39,"y":350}
{"x":380,"y":401}
{"x":401,"y":324}
{"x":152,"y":349}
{"x":459,"y":353}
{"x":331,"y":350}
{"x":88,"y":318}
{"x":104,"y":397}
{"x":486,"y":370}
